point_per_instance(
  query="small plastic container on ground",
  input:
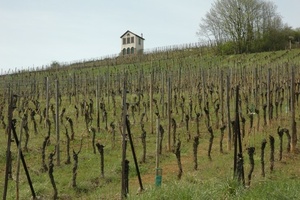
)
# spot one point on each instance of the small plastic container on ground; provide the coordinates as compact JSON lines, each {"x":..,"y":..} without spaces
{"x":158,"y":177}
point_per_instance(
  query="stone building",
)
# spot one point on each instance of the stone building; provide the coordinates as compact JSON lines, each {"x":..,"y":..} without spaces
{"x":132,"y":43}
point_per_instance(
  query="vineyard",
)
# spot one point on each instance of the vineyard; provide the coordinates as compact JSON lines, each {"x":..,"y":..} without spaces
{"x":191,"y":121}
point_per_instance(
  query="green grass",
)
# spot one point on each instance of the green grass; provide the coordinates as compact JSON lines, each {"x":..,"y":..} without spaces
{"x":193,"y":188}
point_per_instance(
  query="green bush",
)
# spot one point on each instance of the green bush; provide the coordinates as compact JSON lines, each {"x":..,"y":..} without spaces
{"x":227,"y":48}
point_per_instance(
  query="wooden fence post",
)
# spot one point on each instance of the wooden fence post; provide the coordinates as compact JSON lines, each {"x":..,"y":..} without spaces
{"x":228,"y":114}
{"x":57,"y":123}
{"x":293,"y":128}
{"x":97,"y":104}
{"x":10,"y":113}
{"x":169,"y":112}
{"x":269,"y":101}
{"x":151,"y":100}
{"x":47,"y":98}
{"x":222,"y":98}
{"x":157,"y":141}
{"x":238,"y":154}
{"x":124,"y":113}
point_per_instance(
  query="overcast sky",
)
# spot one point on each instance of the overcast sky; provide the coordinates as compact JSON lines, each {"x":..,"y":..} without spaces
{"x":34,"y":33}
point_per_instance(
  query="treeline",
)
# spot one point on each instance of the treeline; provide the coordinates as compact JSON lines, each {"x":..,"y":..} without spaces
{"x":240,"y":26}
{"x":274,"y":40}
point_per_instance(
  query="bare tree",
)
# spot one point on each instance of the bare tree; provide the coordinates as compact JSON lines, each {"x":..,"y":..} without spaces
{"x":239,"y":22}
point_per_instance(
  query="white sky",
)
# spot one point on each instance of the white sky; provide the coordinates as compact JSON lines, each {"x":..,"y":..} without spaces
{"x":34,"y":33}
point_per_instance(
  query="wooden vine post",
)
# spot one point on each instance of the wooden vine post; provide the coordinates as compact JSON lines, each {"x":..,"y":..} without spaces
{"x":108,"y":86}
{"x":269,"y":101}
{"x":18,"y":160}
{"x":133,"y":154}
{"x":228,"y":113}
{"x":293,"y":128}
{"x":256,"y":94}
{"x":204,"y":88}
{"x":47,"y":99}
{"x":163,"y":94}
{"x":97,"y":104}
{"x":57,"y":124}
{"x":238,"y":151}
{"x":179,"y":82}
{"x":158,"y":170}
{"x":157,"y":141}
{"x":169,"y":112}
{"x":124,"y":113}
{"x":222,"y":98}
{"x":13,"y":128}
{"x":10,"y":113}
{"x":143,"y":137}
{"x":151,"y":101}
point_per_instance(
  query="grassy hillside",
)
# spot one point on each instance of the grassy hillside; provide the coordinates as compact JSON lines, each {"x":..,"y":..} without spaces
{"x":197,"y":79}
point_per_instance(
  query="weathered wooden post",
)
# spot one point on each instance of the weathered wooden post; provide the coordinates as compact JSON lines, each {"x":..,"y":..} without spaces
{"x":57,"y":124}
{"x":133,"y":154}
{"x":293,"y":125}
{"x":158,"y":171}
{"x":238,"y":152}
{"x":228,"y":114}
{"x":204,"y":88}
{"x":269,"y":100}
{"x":163,"y":94}
{"x":143,"y":137}
{"x":256,"y":88}
{"x":97,"y":104}
{"x":8,"y":156}
{"x":169,"y":112}
{"x":18,"y":161}
{"x":124,"y":116}
{"x":151,"y":100}
{"x":179,"y":81}
{"x":222,"y":97}
{"x":108,"y":86}
{"x":47,"y":99}
{"x":22,"y":159}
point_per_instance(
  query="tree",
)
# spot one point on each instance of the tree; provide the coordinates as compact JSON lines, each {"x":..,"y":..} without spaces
{"x":296,"y":37}
{"x":241,"y":22}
